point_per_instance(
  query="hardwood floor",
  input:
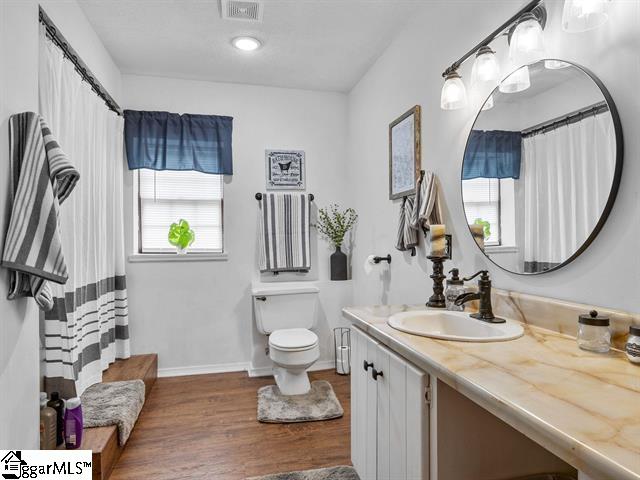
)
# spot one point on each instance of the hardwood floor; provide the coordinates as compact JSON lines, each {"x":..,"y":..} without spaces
{"x":205,"y":427}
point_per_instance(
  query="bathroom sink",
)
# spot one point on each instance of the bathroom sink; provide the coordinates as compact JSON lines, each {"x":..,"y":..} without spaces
{"x":458,"y":326}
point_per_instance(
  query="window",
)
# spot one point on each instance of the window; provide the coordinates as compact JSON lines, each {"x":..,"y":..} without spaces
{"x":482,"y":200}
{"x":164,"y":197}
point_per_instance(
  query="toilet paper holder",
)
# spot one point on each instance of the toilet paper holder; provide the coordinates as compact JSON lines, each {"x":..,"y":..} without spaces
{"x":378,"y":259}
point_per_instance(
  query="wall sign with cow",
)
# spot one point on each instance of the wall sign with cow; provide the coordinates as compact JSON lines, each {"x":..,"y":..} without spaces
{"x":285,"y":169}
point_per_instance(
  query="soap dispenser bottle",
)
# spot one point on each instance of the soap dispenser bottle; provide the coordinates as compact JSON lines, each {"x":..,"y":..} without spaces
{"x":455,"y":287}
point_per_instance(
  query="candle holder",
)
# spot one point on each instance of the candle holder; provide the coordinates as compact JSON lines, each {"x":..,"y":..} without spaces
{"x":437,"y":300}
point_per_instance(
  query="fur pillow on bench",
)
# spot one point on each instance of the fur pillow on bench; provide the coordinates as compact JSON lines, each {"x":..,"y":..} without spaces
{"x":113,"y":403}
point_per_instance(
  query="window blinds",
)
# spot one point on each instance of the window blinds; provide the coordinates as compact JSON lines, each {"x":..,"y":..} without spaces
{"x":167,"y":196}
{"x":482,"y":200}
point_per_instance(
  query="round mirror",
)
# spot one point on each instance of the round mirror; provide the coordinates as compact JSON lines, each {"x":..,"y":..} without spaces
{"x":542,"y":167}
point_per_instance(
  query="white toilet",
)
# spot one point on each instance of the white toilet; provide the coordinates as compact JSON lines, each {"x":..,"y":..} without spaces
{"x":286,"y":312}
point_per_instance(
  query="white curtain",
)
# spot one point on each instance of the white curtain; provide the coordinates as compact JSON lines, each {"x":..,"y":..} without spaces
{"x":567,"y":179}
{"x":88,"y":326}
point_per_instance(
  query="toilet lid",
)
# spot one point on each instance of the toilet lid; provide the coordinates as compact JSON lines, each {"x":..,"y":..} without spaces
{"x":293,"y":338}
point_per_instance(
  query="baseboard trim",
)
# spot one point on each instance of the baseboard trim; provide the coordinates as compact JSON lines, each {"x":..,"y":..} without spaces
{"x":203,"y":369}
{"x":268,"y":371}
{"x":233,"y":367}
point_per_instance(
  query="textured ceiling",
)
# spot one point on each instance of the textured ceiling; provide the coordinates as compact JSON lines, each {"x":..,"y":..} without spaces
{"x":309,"y":44}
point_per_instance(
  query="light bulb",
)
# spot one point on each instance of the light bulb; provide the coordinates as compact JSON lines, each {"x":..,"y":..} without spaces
{"x":485,"y":68}
{"x":454,"y":94}
{"x":246,"y":44}
{"x":517,"y":81}
{"x":488,"y":104}
{"x":583,"y":15}
{"x":527,"y":41}
{"x":555,"y":64}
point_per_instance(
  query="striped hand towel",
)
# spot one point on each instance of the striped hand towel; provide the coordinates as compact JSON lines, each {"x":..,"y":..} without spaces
{"x":283,"y":233}
{"x":407,"y":238}
{"x":41,"y":179}
{"x":426,"y":208}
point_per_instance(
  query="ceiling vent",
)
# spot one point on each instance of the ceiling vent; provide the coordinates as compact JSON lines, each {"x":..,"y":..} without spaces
{"x":247,"y":11}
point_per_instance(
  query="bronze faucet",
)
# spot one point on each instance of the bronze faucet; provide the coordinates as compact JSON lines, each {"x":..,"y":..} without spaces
{"x":485,"y":312}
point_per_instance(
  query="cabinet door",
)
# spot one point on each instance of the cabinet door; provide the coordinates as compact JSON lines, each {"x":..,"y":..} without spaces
{"x":417,"y":424}
{"x":363,"y":405}
{"x":402,"y":419}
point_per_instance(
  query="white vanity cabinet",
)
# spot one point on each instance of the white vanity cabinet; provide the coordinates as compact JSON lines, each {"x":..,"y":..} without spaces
{"x":389,"y":413}
{"x":409,"y":425}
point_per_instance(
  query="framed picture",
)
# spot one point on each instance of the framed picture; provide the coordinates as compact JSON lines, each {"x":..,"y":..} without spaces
{"x":285,"y":169}
{"x":404,"y":154}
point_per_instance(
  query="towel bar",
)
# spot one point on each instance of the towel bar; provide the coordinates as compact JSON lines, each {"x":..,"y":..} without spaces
{"x":259,"y":196}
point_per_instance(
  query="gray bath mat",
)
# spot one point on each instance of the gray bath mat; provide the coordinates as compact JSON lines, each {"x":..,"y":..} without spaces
{"x":113,"y":403}
{"x":320,"y":403}
{"x":333,"y":473}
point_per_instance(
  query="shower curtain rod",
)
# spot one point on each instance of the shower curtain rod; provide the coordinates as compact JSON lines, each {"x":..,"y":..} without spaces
{"x":572,"y":117}
{"x":81,"y":67}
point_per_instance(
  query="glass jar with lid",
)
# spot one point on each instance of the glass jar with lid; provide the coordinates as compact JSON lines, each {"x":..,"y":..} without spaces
{"x":593,"y":332}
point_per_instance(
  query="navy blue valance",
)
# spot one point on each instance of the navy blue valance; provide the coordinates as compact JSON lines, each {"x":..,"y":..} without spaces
{"x":492,"y":154}
{"x":169,"y":141}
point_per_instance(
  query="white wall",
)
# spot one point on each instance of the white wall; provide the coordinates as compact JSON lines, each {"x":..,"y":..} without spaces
{"x":71,"y":21}
{"x":18,"y":319}
{"x":408,"y":73}
{"x":198,"y":315}
{"x":19,"y":339}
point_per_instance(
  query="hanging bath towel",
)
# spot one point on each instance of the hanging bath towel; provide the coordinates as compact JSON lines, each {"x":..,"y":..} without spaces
{"x":283,"y":233}
{"x":41,"y":179}
{"x":426,"y":208}
{"x":407,"y":237}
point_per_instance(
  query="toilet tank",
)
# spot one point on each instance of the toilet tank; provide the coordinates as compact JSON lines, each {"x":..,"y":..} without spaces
{"x":284,"y":305}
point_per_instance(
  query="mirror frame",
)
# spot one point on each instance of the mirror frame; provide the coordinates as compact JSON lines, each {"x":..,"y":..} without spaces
{"x":615,"y":184}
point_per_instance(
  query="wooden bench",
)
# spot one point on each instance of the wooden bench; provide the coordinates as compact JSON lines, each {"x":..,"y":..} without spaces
{"x":103,"y":441}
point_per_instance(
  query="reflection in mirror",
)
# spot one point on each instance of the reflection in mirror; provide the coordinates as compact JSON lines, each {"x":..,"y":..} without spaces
{"x":540,"y":168}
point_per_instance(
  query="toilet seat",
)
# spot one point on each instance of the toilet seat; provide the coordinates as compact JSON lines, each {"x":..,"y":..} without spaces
{"x":293,"y":340}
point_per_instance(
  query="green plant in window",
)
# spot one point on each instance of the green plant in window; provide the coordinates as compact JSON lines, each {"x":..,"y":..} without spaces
{"x":180,"y":235}
{"x":334,"y":223}
{"x":486,"y":227}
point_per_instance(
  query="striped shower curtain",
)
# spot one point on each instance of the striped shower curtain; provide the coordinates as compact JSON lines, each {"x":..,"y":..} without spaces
{"x":87,"y":328}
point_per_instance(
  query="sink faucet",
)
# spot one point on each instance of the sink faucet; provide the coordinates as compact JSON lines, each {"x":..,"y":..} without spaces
{"x":485,"y":312}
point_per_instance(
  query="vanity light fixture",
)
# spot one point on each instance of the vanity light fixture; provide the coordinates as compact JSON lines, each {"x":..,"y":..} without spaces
{"x":517,"y":81}
{"x":454,"y":94}
{"x":526,"y":40}
{"x":526,"y":44}
{"x":246,"y":44}
{"x":485,"y":68}
{"x":582,"y":15}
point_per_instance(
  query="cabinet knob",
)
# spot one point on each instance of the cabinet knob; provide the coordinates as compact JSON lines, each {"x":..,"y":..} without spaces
{"x":375,"y":373}
{"x":262,"y":299}
{"x":367,"y":365}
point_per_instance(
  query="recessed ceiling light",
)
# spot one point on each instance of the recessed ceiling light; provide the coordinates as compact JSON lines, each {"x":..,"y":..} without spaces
{"x":246,"y":44}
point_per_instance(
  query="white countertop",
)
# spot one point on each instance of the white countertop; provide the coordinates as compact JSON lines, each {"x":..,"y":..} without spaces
{"x":583,"y":407}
